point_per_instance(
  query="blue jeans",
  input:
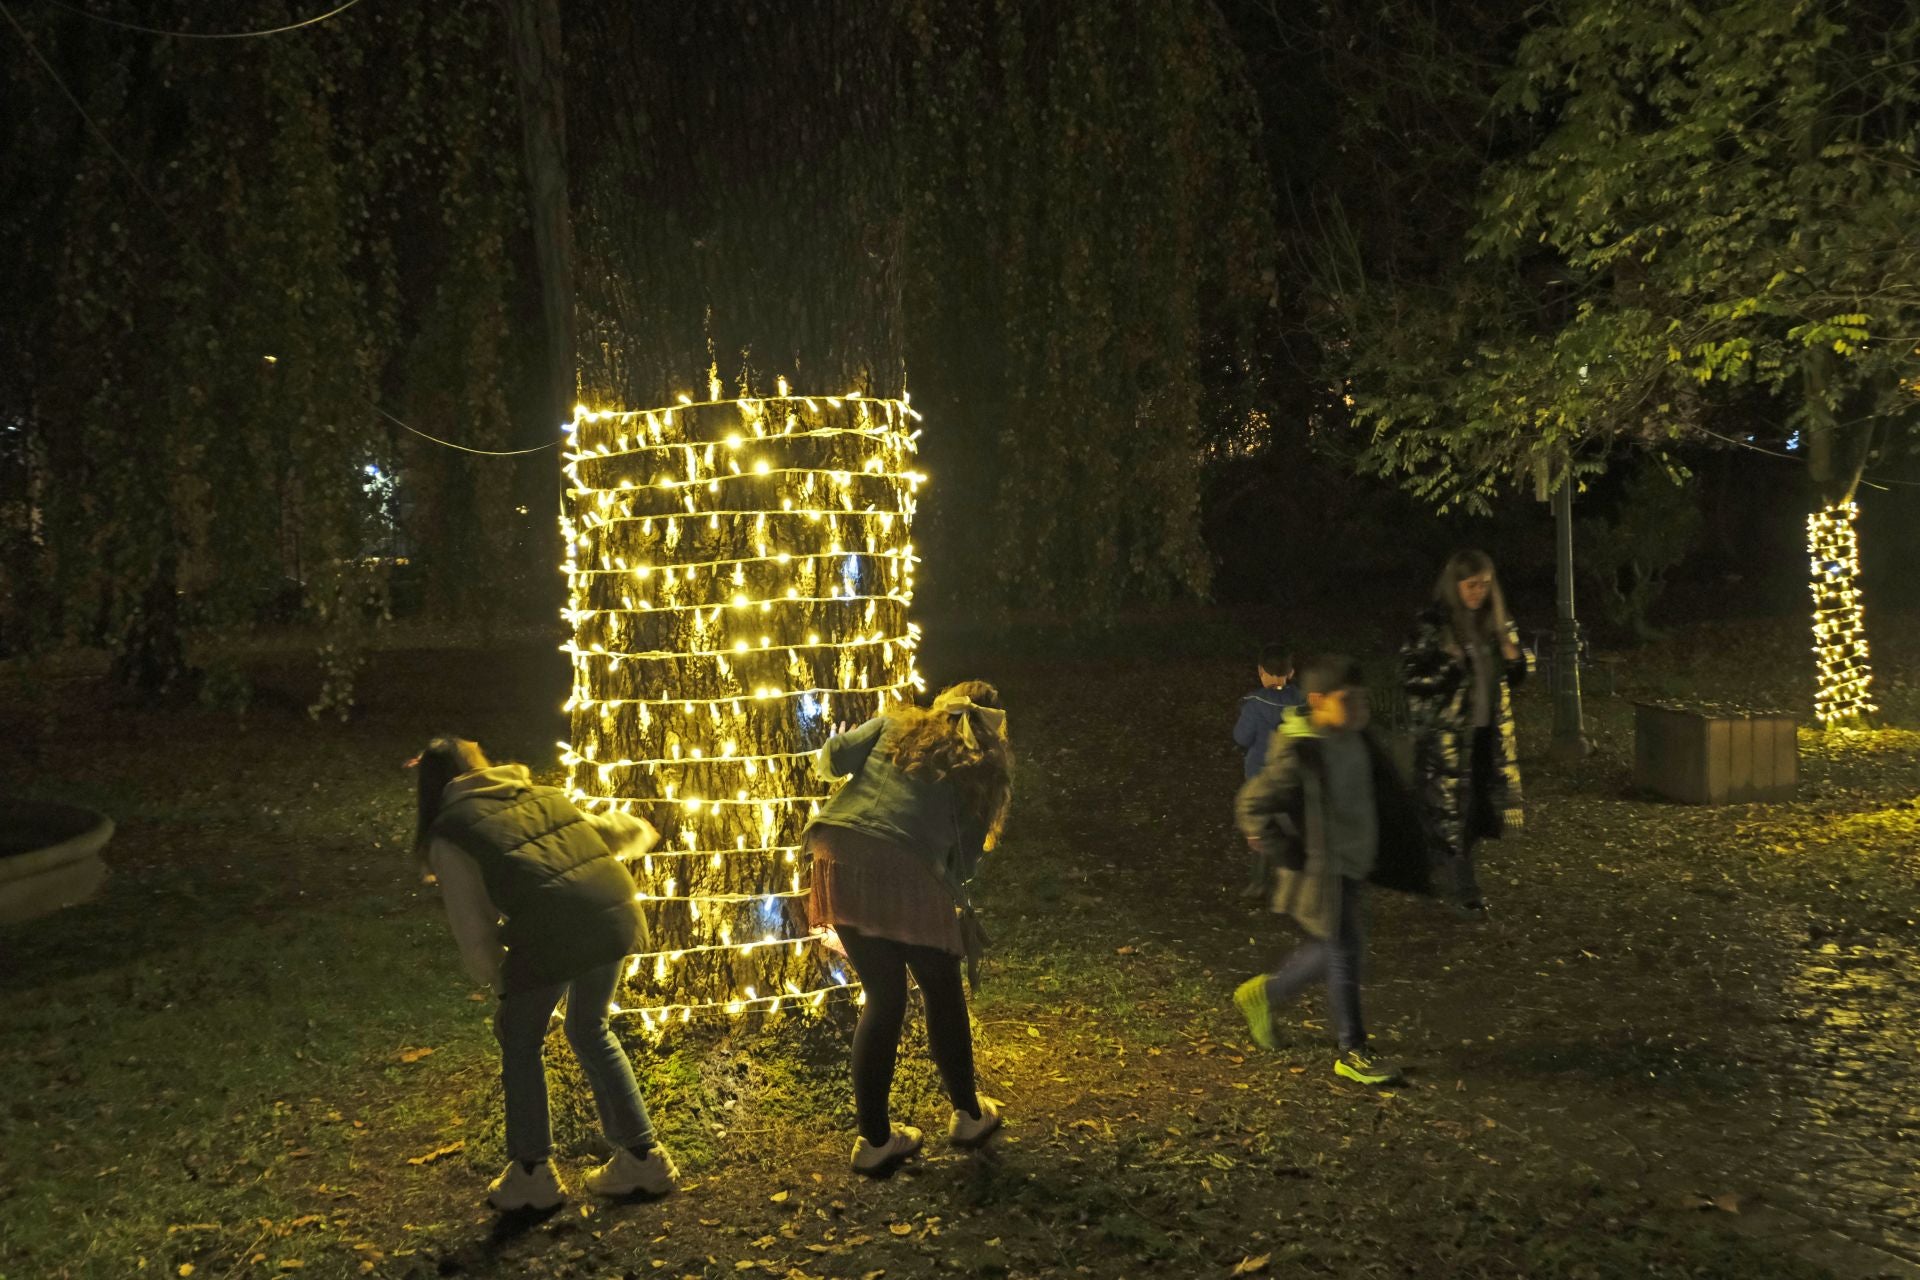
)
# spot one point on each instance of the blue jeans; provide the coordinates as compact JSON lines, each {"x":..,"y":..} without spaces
{"x":1336,"y":960}
{"x":521,"y":1024}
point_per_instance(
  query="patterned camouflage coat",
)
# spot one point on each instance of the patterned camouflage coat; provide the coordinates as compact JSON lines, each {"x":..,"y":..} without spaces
{"x":1440,"y":705}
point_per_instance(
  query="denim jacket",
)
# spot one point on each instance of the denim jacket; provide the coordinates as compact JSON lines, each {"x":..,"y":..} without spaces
{"x":882,"y":800}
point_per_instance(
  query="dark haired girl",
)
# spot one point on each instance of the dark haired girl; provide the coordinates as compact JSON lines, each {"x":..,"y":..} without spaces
{"x":1461,"y":666}
{"x":542,"y":909}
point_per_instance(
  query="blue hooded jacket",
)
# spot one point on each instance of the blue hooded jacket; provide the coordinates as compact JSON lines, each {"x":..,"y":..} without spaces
{"x":1260,"y":713}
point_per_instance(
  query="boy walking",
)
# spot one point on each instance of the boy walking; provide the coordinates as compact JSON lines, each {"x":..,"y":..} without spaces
{"x":1332,"y":815}
{"x":1260,"y":713}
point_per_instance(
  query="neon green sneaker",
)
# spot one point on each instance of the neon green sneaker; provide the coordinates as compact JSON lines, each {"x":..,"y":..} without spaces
{"x":1250,"y":997}
{"x":1361,"y":1066}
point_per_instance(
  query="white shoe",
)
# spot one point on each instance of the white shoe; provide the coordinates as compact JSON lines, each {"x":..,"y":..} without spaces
{"x":874,"y":1161}
{"x":518,"y":1189}
{"x":627,"y":1174}
{"x":967,"y":1133}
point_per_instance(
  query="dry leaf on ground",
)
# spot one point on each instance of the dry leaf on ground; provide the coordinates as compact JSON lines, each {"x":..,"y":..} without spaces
{"x":439,"y":1153}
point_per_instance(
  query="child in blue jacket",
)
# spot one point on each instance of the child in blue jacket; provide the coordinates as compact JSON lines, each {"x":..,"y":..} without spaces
{"x":1260,"y":713}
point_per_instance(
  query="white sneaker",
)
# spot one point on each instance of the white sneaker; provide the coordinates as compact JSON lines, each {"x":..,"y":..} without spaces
{"x":627,"y":1174}
{"x":967,"y":1133}
{"x":874,"y":1161}
{"x":518,"y":1189}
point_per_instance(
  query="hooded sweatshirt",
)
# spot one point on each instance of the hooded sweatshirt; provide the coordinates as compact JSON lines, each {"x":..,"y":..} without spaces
{"x":1331,"y":808}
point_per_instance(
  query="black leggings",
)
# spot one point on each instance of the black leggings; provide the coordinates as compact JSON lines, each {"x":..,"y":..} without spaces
{"x":882,"y":965}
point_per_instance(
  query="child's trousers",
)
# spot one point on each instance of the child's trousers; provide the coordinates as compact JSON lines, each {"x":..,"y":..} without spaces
{"x":882,"y":965}
{"x":521,"y":1025}
{"x":1335,"y":960}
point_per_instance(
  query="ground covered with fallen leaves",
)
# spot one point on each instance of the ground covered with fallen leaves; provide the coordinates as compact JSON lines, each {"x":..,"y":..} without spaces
{"x":1683,"y":1045}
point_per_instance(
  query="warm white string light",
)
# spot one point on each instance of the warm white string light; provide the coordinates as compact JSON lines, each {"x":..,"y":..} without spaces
{"x":765,"y":694}
{"x":764,"y":605}
{"x":713,"y":482}
{"x":568,"y":758}
{"x":642,"y":571}
{"x":1839,"y":618}
{"x":658,"y":1017}
{"x":790,"y":851}
{"x":797,"y":621}
{"x":738,"y":646}
{"x":723,"y":898}
{"x":815,"y":515}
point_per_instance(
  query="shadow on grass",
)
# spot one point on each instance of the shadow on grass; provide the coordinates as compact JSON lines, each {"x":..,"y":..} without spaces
{"x":515,"y":1224}
{"x":1625,"y":1062}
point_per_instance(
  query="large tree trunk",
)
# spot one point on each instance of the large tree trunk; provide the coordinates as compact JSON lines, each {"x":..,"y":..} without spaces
{"x":539,"y":64}
{"x":150,"y":656}
{"x":1837,"y":458}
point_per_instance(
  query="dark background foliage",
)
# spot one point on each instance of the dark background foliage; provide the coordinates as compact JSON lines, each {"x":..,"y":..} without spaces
{"x":1175,"y":284}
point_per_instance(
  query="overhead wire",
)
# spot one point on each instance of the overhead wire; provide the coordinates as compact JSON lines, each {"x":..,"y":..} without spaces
{"x":199,"y":35}
{"x":1879,"y":482}
{"x":133,"y":176}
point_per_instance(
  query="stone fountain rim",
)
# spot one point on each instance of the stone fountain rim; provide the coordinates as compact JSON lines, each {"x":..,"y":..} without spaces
{"x":84,"y":843}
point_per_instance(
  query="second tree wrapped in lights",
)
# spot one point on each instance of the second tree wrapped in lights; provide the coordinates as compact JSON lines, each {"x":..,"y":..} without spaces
{"x":739,"y":578}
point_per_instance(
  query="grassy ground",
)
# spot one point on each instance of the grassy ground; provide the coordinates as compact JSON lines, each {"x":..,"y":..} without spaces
{"x":1683,"y":1045}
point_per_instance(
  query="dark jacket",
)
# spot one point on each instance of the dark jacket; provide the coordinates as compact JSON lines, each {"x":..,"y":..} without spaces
{"x":1260,"y":713}
{"x":882,"y":800}
{"x":1281,"y":807}
{"x":1440,"y":708}
{"x":569,"y":905}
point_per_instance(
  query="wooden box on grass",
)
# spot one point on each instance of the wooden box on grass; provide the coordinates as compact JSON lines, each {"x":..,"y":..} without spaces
{"x":1711,"y":755}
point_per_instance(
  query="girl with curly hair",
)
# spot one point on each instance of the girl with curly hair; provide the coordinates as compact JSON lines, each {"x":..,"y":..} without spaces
{"x":926,"y":794}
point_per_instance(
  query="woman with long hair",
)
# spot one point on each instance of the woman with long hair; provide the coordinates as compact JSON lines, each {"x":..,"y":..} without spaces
{"x":542,"y":909}
{"x":926,"y":794}
{"x":1460,"y":667}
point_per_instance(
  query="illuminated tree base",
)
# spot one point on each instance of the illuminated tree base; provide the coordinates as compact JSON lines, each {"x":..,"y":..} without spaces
{"x":739,"y":575}
{"x":1839,"y":621}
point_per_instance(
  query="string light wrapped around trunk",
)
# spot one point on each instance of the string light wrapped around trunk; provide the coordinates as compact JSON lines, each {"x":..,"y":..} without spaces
{"x":739,"y":576}
{"x":1839,"y":623}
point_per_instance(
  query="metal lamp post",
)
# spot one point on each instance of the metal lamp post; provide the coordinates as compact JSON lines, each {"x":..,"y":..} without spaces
{"x":1569,"y":724}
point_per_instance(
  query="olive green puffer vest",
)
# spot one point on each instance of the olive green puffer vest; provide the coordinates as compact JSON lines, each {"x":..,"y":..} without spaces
{"x":569,"y":904}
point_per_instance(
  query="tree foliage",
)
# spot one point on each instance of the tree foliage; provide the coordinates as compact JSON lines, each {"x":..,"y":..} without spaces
{"x":1691,"y":203}
{"x":1093,"y":271}
{"x":1053,"y":217}
{"x":1629,"y":554}
{"x":1047,"y":220}
{"x":304,"y":227}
